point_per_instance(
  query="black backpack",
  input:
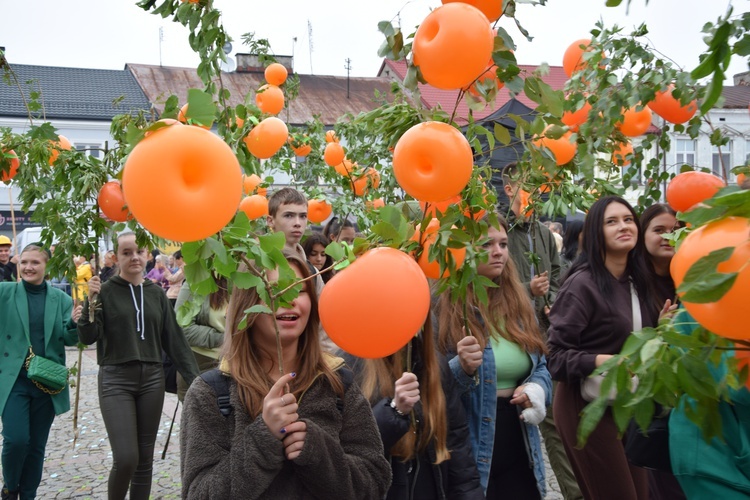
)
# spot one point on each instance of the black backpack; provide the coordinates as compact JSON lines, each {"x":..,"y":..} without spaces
{"x":170,"y":373}
{"x":220,"y":384}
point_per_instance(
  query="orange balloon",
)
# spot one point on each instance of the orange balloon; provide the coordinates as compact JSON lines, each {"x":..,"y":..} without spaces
{"x":250,"y":185}
{"x":276,"y":74}
{"x":741,"y":178}
{"x":359,"y":185}
{"x":374,"y":307}
{"x":489,"y":75}
{"x":345,"y":168}
{"x":431,"y":269}
{"x":669,"y":108}
{"x":255,"y":206}
{"x":204,"y":177}
{"x":182,"y":117}
{"x":300,"y":149}
{"x":270,"y":99}
{"x":333,"y":154}
{"x":375,"y":204}
{"x":112,"y":201}
{"x":14,"y":164}
{"x":452,"y":46}
{"x":526,"y":207}
{"x":318,"y":211}
{"x":563,"y":149}
{"x":573,"y":57}
{"x":493,"y":9}
{"x":619,"y":155}
{"x":266,"y":138}
{"x":373,"y":177}
{"x":433,"y":160}
{"x":725,"y":316}
{"x":331,"y":136}
{"x":62,"y":143}
{"x":575,"y":119}
{"x":634,"y":122}
{"x":687,"y":189}
{"x":437,"y":208}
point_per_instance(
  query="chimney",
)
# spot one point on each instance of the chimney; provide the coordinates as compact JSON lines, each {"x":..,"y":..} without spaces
{"x":250,"y":63}
{"x":742,"y":79}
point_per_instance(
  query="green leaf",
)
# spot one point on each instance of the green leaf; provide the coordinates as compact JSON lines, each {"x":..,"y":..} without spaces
{"x":386,"y":231}
{"x":386,"y":28}
{"x":258,"y":309}
{"x":271,"y":241}
{"x":201,"y":107}
{"x":502,"y":134}
{"x":649,"y":349}
{"x":703,"y":283}
{"x":590,"y":418}
{"x":246,"y":279}
{"x":336,"y":251}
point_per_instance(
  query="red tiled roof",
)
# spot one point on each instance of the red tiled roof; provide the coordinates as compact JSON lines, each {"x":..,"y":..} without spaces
{"x":432,"y":96}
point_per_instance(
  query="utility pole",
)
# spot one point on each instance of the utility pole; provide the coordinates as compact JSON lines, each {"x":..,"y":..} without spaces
{"x":348,"y":68}
{"x":294,"y":43}
{"x":310,"y":41}
{"x":161,"y":39}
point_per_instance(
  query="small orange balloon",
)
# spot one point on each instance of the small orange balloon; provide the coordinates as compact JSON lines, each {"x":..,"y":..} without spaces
{"x":359,"y":185}
{"x":255,"y":206}
{"x":182,"y":117}
{"x":333,"y":154}
{"x":276,"y":74}
{"x":687,"y":189}
{"x":452,"y":46}
{"x":372,"y":308}
{"x":741,"y":179}
{"x":62,"y":143}
{"x":573,"y":57}
{"x":112,"y":201}
{"x":345,"y":168}
{"x":669,"y":108}
{"x":250,"y":185}
{"x":493,"y":9}
{"x":266,"y":138}
{"x":14,"y":164}
{"x":621,"y":153}
{"x":331,"y":136}
{"x":432,"y":268}
{"x":574,"y":119}
{"x":433,"y":160}
{"x":318,"y":211}
{"x":270,"y":99}
{"x":300,"y":149}
{"x":205,"y":183}
{"x":563,"y":148}
{"x":375,"y":204}
{"x":635,"y":122}
{"x":722,"y":317}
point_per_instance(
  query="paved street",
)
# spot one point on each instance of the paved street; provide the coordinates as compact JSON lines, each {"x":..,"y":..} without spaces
{"x":82,"y":471}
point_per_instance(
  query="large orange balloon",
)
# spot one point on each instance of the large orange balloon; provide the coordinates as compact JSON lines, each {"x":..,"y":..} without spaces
{"x":375,"y":306}
{"x":427,"y":239}
{"x":452,"y":46}
{"x":563,"y":148}
{"x":62,"y":143}
{"x":267,"y":137}
{"x":112,"y":201}
{"x":276,"y":74}
{"x":687,"y":189}
{"x":670,"y":108}
{"x":573,"y":57}
{"x":270,"y":99}
{"x":635,"y":122}
{"x":724,"y":317}
{"x":493,"y":9}
{"x":432,"y":161}
{"x":255,"y":206}
{"x":205,"y":183}
{"x":14,"y":164}
{"x":318,"y":211}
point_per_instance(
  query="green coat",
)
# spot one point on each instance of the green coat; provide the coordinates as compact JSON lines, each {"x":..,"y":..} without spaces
{"x":59,"y":331}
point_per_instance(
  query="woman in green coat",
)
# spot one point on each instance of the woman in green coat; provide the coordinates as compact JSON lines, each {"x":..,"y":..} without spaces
{"x":33,"y":312}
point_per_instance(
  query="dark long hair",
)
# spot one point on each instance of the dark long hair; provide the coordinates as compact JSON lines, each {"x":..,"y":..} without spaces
{"x":332,"y":230}
{"x":570,"y":240}
{"x":594,"y":251}
{"x":309,"y":244}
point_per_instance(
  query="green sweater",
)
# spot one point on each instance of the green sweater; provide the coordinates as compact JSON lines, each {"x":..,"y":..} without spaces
{"x":36,"y":296}
{"x":134,"y":323}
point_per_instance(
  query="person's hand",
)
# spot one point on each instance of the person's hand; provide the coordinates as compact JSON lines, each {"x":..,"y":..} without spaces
{"x":75,"y":315}
{"x":280,"y":407}
{"x":539,"y":285}
{"x":601,"y":359}
{"x":406,"y":392}
{"x":296,"y":432}
{"x":469,"y":354}
{"x":95,"y":285}
{"x":668,"y":310}
{"x":520,"y":397}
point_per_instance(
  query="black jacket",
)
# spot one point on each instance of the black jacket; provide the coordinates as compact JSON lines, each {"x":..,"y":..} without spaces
{"x":456,"y":478}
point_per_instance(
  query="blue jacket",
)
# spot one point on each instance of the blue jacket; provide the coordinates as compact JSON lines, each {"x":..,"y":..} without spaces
{"x":480,"y":402}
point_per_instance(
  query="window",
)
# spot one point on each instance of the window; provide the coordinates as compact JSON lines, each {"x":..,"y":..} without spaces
{"x":721,"y":163}
{"x":93,"y":150}
{"x":685,"y":152}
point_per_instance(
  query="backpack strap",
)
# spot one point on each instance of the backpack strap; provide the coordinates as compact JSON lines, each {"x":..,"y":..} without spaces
{"x":220,"y":384}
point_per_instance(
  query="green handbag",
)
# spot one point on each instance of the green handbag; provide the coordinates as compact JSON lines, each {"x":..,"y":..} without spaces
{"x":47,"y":375}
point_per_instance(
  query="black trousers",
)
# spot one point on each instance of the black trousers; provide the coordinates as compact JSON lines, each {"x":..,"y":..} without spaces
{"x":131,"y":396}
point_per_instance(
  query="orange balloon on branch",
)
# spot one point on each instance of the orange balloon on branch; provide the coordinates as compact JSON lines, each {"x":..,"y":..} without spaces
{"x":359,"y":185}
{"x":375,"y":204}
{"x":300,"y":149}
{"x":621,"y":153}
{"x":57,"y":146}
{"x":452,"y":46}
{"x":250,"y":185}
{"x":741,"y":179}
{"x":318,"y":211}
{"x":432,"y":161}
{"x":266,"y":138}
{"x":13,"y":168}
{"x":345,"y":168}
{"x":635,"y":122}
{"x":331,"y":136}
{"x":427,"y":239}
{"x":563,"y":149}
{"x":724,"y":316}
{"x":111,"y":201}
{"x":276,"y":74}
{"x":373,"y":177}
{"x":270,"y":99}
{"x":205,"y":183}
{"x":493,"y":9}
{"x":573,"y":57}
{"x":255,"y":206}
{"x":669,"y":108}
{"x":374,"y":307}
{"x":182,"y":117}
{"x":333,"y":154}
{"x":687,"y":189}
{"x":575,"y":119}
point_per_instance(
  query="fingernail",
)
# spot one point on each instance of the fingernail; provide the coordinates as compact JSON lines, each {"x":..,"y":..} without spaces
{"x":294,"y":374}
{"x":283,"y":430}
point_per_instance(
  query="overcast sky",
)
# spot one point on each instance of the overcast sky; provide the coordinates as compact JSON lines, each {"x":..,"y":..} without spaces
{"x":108,"y":34}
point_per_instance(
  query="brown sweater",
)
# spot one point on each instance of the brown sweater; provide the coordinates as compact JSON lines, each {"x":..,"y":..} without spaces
{"x":583,"y":323}
{"x":238,"y":457}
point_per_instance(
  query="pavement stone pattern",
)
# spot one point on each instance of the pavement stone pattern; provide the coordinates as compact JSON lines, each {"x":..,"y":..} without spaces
{"x":81,"y":471}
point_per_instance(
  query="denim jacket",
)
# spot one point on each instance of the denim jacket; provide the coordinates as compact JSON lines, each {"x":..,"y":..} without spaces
{"x":479,"y":398}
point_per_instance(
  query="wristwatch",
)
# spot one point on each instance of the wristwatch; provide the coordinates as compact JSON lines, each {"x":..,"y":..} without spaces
{"x":398,"y":412}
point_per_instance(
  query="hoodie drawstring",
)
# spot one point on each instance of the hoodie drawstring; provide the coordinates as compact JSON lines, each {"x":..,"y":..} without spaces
{"x":140,"y":313}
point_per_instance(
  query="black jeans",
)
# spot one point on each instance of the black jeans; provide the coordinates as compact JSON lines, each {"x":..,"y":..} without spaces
{"x":131,"y":396}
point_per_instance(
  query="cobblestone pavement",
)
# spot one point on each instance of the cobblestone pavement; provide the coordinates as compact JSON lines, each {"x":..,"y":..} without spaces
{"x":81,"y":471}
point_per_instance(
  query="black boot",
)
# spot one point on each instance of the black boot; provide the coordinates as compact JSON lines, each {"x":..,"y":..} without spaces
{"x":8,"y":495}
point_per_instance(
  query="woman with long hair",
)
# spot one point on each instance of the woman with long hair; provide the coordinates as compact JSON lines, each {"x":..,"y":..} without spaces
{"x":496,"y":355}
{"x":315,"y":251}
{"x":657,"y":220}
{"x":571,"y":244}
{"x":430,"y":454}
{"x":591,"y":318}
{"x":306,"y":433}
{"x":340,"y":230}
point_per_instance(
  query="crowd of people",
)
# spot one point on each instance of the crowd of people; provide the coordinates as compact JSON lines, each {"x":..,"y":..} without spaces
{"x":462,"y":413}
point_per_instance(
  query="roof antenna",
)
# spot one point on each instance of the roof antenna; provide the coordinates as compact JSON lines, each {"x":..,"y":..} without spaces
{"x":348,"y":68}
{"x":161,"y":39}
{"x":310,"y":41}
